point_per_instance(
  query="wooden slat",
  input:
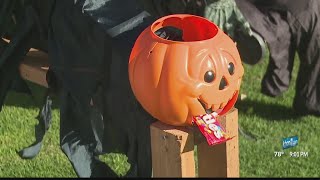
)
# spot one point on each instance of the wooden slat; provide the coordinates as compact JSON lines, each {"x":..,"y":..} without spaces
{"x":173,"y":148}
{"x":172,"y":151}
{"x":221,"y":160}
{"x":34,"y":67}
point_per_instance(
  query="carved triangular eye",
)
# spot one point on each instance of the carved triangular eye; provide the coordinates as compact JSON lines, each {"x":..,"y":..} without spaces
{"x":231,"y":68}
{"x":209,"y":76}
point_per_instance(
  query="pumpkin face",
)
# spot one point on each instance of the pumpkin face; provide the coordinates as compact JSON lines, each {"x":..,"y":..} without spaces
{"x":176,"y":80}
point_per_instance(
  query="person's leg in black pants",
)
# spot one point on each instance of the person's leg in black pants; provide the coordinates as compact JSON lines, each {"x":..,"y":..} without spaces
{"x":307,"y":29}
{"x":278,"y":75}
{"x":272,"y":25}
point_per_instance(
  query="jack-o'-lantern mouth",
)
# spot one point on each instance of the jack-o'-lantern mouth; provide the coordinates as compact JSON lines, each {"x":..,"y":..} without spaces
{"x":209,"y":109}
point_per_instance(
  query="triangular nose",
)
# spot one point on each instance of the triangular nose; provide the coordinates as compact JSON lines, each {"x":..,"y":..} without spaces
{"x":223,"y":83}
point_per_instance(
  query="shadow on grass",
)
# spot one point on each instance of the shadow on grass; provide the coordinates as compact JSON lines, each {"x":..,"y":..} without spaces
{"x":269,"y":111}
{"x":24,"y":100}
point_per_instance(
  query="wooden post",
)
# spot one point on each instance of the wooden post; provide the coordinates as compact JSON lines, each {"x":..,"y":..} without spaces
{"x":173,"y":151}
{"x":221,"y":160}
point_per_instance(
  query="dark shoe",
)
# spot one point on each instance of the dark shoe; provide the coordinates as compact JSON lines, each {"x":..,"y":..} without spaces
{"x":268,"y":93}
{"x":301,"y":109}
{"x":272,"y":86}
{"x":267,"y":90}
{"x":299,"y":112}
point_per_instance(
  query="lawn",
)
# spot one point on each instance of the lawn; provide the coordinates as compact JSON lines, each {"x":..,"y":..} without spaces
{"x":269,"y":119}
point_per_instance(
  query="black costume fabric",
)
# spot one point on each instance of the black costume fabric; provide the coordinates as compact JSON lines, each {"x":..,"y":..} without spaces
{"x":27,"y":29}
{"x":289,"y":26}
{"x":89,"y":43}
{"x":11,"y":53}
{"x":89,"y":47}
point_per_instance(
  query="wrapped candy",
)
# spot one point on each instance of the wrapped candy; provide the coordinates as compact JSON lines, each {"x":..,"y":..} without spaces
{"x":211,"y":128}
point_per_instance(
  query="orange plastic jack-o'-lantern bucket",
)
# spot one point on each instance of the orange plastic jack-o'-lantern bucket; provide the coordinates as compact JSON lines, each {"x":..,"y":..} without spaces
{"x":198,"y":73}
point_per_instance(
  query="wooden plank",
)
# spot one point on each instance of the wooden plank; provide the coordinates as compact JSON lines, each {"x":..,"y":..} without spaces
{"x":172,"y":151}
{"x":221,"y":160}
{"x":34,"y":67}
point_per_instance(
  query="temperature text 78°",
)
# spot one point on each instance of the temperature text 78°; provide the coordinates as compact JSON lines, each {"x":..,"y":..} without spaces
{"x":278,"y":154}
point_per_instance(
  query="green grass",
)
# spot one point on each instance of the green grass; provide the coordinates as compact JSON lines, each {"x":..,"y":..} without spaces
{"x":17,"y":121}
{"x":17,"y":127}
{"x":269,"y":119}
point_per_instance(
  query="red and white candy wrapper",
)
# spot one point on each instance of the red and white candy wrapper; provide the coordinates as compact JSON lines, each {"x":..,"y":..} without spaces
{"x":211,"y":129}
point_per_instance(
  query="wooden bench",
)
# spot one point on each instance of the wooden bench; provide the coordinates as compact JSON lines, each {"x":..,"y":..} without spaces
{"x":34,"y":67}
{"x":172,"y":147}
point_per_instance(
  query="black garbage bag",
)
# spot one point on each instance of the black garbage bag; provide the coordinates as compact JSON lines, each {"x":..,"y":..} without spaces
{"x":159,"y":8}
